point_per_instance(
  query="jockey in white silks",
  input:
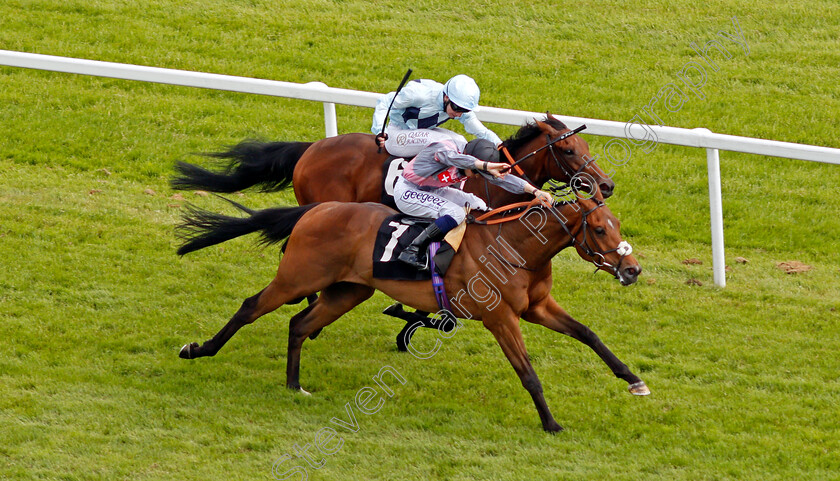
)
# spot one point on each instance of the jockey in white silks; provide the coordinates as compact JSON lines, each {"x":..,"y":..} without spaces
{"x":420,"y":107}
{"x":423,"y":189}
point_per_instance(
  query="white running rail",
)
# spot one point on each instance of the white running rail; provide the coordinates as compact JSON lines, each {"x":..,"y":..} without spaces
{"x":329,"y":96}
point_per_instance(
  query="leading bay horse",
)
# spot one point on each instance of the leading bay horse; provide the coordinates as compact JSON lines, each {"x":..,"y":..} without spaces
{"x":348,"y":168}
{"x":330,"y":249}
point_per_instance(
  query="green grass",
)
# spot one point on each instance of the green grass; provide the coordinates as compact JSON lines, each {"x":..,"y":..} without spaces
{"x":94,"y":304}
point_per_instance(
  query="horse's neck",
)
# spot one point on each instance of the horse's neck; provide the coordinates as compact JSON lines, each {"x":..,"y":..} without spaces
{"x":535,"y":238}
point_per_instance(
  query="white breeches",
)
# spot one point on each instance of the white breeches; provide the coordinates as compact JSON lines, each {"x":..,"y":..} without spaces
{"x":434,"y":202}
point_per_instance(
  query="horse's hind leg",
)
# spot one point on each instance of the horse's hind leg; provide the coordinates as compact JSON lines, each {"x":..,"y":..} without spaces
{"x":549,"y":314}
{"x":412,"y":320}
{"x":333,"y":302}
{"x":267,"y":300}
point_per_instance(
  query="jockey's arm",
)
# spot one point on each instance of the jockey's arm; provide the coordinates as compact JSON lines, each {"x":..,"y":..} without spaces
{"x":409,"y":96}
{"x":512,"y":183}
{"x":474,"y":126}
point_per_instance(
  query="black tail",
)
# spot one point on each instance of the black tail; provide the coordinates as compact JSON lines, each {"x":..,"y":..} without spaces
{"x":269,"y":165}
{"x":201,"y":228}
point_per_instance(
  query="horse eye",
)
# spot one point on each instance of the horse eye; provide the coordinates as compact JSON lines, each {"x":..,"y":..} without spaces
{"x":569,"y":152}
{"x":600,"y":230}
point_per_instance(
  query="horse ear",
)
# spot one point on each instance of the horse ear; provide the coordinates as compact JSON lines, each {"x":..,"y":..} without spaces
{"x":545,"y":127}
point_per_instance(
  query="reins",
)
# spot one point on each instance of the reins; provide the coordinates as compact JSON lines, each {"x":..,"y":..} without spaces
{"x":598,"y":258}
{"x":551,"y":142}
{"x":501,"y":210}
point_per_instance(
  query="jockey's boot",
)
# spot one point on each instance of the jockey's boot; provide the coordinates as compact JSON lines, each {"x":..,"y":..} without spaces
{"x":415,"y":253}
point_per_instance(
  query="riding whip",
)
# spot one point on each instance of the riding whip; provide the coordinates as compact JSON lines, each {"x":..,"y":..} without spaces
{"x":388,"y":113}
{"x":548,"y":144}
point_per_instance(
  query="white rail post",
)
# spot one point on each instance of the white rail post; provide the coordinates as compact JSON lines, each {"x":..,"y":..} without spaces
{"x":330,"y":119}
{"x":715,"y":204}
{"x":716,"y":216}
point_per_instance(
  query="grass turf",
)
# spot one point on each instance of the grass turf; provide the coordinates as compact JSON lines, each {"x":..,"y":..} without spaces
{"x":94,"y":304}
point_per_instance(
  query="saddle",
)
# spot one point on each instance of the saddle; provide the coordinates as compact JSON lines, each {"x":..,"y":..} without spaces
{"x":395,"y":234}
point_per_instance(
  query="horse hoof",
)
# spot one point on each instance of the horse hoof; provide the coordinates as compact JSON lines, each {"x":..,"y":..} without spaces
{"x":299,"y":389}
{"x":638,"y":389}
{"x":187,"y":350}
{"x":403,"y":340}
{"x":394,"y":310}
{"x":553,"y":428}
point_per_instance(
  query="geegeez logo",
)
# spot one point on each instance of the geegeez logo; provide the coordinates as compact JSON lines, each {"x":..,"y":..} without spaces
{"x":422,"y":198}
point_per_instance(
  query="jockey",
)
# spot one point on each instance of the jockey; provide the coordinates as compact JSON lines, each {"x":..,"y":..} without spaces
{"x":420,"y":107}
{"x":423,"y":189}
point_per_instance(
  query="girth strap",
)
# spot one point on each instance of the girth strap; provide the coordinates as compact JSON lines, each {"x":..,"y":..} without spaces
{"x":437,"y":280}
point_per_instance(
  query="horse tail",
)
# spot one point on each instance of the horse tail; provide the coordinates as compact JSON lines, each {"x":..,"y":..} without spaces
{"x":267,"y":164}
{"x":201,"y":228}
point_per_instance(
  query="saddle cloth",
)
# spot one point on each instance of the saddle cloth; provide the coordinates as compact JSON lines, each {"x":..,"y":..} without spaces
{"x":391,"y":171}
{"x":394,"y":235}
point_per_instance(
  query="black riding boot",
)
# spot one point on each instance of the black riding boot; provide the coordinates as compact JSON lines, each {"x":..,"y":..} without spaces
{"x":415,"y":254}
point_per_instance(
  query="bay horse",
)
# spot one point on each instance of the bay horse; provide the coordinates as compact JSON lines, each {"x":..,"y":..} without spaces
{"x":348,"y":168}
{"x":330,"y":249}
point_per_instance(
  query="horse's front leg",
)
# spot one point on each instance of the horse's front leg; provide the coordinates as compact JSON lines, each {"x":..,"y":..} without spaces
{"x":549,"y":314}
{"x":509,"y":337}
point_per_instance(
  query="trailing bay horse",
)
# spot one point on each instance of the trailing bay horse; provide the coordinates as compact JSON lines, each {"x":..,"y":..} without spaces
{"x":330,"y":249}
{"x":348,"y":168}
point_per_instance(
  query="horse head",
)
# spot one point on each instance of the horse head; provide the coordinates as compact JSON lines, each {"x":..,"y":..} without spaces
{"x":597,"y":237}
{"x":562,"y":160}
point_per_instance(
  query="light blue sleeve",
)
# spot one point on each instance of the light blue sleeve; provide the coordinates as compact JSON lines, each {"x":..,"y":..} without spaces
{"x":475,"y":127}
{"x":413,"y":94}
{"x":379,"y":112}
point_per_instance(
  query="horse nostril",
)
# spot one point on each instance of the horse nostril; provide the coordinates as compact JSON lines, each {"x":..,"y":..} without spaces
{"x":632,"y":271}
{"x":606,"y":189}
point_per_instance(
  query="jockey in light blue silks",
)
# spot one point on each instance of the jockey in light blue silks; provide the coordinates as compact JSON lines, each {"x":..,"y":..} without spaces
{"x":420,"y":107}
{"x":424,"y":189}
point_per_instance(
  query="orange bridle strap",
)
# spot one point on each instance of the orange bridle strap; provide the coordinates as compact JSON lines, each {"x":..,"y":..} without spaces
{"x":524,"y":205}
{"x":510,"y":160}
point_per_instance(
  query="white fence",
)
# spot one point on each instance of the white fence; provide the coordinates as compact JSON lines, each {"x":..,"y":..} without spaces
{"x":317,"y":91}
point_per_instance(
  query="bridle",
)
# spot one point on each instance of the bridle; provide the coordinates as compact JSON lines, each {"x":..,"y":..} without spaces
{"x":623,"y":249}
{"x":564,"y":166}
{"x":549,"y":145}
{"x":514,"y":165}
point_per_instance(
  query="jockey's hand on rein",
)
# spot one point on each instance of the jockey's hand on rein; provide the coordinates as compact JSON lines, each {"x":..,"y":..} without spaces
{"x":544,"y":197}
{"x":380,"y":139}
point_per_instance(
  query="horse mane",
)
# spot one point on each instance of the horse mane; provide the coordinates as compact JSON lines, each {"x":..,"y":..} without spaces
{"x":529,"y":131}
